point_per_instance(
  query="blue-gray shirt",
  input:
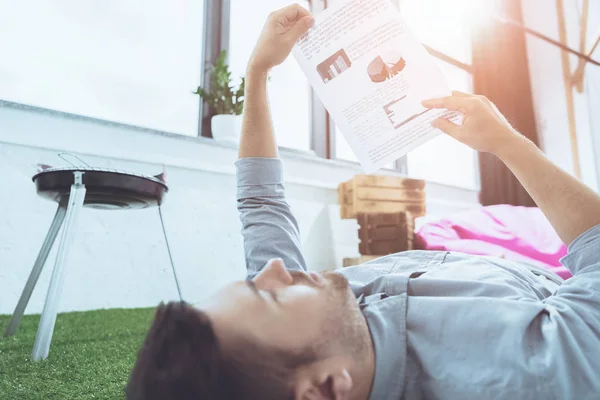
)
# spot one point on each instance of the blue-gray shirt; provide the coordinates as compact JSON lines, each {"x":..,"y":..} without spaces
{"x":448,"y":325}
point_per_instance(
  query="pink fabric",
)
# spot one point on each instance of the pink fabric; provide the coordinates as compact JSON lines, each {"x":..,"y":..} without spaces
{"x":515,"y":233}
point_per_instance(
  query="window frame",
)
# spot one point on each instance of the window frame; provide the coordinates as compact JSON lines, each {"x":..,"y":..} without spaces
{"x":215,"y":39}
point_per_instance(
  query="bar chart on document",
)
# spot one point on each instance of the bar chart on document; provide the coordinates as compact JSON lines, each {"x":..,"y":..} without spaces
{"x":334,"y":66}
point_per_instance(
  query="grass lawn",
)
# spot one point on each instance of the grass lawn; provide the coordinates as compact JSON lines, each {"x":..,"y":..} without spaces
{"x":90,"y":357}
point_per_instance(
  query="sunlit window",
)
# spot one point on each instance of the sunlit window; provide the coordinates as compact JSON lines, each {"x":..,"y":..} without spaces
{"x":444,"y":26}
{"x":441,"y":24}
{"x":443,"y":159}
{"x":135,"y":62}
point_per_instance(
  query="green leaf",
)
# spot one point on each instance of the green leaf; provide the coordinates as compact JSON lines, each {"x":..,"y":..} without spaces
{"x":222,"y":95}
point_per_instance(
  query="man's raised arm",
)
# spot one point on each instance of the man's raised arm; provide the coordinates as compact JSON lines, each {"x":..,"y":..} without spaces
{"x":268,"y":225}
{"x":281,"y":31}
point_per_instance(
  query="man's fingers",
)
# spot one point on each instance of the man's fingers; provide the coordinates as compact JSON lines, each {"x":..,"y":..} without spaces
{"x":446,"y":126}
{"x":302,"y":26}
{"x":457,"y":93}
{"x":450,"y":103}
{"x":295,"y":20}
{"x":294,"y":12}
{"x":434,"y":103}
{"x":459,"y":101}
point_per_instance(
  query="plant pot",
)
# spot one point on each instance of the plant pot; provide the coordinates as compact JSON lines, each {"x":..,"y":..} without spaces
{"x":226,"y":128}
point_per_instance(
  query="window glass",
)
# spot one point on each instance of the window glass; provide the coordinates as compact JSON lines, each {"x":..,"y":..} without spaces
{"x":135,"y":62}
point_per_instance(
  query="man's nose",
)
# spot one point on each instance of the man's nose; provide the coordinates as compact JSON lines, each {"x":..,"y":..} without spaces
{"x":273,"y":276}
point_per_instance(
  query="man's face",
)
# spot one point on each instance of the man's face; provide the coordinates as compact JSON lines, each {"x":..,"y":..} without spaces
{"x":287,"y":310}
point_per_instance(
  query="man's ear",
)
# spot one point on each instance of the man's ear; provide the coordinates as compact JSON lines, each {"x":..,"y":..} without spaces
{"x":323,"y":384}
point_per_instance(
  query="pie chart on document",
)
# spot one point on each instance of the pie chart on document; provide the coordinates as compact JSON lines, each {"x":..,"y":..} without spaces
{"x":386,"y":66}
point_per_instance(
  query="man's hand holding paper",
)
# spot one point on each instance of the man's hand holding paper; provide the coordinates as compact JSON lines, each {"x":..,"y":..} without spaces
{"x":282,"y":30}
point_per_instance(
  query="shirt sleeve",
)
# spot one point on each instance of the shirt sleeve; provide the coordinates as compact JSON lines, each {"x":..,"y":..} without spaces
{"x":562,"y":341}
{"x":584,"y":252}
{"x":574,"y":314}
{"x":269,"y":228}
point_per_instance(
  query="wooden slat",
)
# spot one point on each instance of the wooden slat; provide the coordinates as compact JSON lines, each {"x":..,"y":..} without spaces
{"x":384,"y":219}
{"x":383,"y":233}
{"x":351,"y":262}
{"x":388,"y":181}
{"x":342,"y":201}
{"x":566,"y":66}
{"x":380,"y":193}
{"x":389,"y":194}
{"x":341,"y":194}
{"x":349,"y":193}
{"x":384,"y":247}
{"x":416,"y":209}
{"x":345,"y":194}
{"x":583,"y":36}
{"x":580,"y":72}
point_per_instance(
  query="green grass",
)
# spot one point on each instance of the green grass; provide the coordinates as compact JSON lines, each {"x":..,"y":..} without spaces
{"x":90,"y":357}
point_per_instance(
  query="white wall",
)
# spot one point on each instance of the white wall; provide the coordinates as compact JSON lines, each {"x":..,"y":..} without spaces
{"x":548,"y":88}
{"x":119,"y":258}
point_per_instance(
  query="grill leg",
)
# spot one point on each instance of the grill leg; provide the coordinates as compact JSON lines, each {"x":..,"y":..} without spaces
{"x":59,"y":217}
{"x":43,"y":338}
{"x":162,"y":223}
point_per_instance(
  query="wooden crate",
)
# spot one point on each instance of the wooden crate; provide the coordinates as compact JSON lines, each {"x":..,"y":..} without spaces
{"x":385,"y":233}
{"x":396,"y":219}
{"x":381,"y":194}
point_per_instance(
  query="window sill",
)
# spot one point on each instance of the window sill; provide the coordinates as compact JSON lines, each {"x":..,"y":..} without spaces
{"x":92,"y":138}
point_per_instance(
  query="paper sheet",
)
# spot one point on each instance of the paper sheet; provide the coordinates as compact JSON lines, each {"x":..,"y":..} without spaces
{"x":371,"y":74}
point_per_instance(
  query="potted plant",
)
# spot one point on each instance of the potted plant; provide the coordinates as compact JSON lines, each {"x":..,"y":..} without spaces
{"x":226,"y":101}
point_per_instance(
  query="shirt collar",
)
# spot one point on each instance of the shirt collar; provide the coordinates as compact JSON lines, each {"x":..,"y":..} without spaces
{"x":387,"y":323}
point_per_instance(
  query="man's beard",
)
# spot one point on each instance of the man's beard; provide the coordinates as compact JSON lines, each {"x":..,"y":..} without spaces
{"x":335,"y":285}
{"x":332,"y":280}
{"x":345,"y":331}
{"x":337,"y":281}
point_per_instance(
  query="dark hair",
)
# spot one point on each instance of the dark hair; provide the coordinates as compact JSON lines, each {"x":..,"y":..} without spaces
{"x":180,"y":359}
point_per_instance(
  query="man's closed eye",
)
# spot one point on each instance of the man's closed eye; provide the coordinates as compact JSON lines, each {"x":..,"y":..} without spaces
{"x":256,"y":291}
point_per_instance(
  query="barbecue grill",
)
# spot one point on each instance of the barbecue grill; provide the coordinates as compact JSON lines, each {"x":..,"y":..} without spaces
{"x":73,"y":188}
{"x":108,"y":189}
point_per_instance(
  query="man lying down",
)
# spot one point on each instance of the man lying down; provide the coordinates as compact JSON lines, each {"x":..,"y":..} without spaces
{"x":415,"y":325}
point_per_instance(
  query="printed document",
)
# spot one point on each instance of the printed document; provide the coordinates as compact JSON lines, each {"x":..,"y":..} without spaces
{"x":371,"y":74}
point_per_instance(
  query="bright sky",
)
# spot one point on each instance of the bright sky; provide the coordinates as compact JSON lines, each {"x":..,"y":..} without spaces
{"x":133,"y":61}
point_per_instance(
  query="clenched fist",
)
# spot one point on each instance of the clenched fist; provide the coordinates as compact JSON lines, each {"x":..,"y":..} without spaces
{"x":280,"y":33}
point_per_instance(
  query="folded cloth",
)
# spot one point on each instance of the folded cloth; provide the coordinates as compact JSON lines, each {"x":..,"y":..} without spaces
{"x":521,"y":234}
